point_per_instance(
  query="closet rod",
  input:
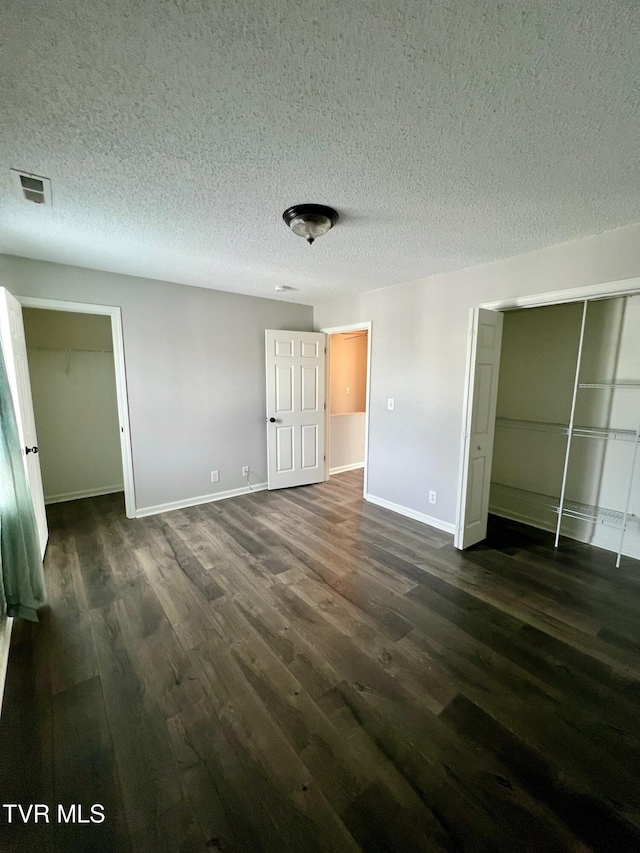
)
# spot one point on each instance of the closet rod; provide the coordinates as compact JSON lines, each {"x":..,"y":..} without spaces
{"x":571,"y":422}
{"x":66,"y":349}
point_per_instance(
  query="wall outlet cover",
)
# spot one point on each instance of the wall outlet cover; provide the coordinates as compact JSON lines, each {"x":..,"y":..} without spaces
{"x":245,"y":471}
{"x":433,"y":497}
{"x":215,"y":476}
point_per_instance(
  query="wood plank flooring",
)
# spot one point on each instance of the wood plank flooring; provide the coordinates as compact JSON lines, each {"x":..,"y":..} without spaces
{"x":303,"y":672}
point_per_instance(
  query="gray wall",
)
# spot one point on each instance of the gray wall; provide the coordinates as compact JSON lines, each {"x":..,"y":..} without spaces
{"x":419,"y":342}
{"x":195,"y":372}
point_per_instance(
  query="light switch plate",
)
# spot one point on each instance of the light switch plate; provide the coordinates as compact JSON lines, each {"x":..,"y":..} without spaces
{"x":391,"y":404}
{"x":215,"y":476}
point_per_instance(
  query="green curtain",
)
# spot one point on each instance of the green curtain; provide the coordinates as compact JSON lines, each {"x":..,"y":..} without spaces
{"x":22,"y":589}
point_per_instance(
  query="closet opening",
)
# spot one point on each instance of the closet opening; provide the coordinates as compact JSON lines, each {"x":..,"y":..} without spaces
{"x":74,"y":388}
{"x":567,"y":428}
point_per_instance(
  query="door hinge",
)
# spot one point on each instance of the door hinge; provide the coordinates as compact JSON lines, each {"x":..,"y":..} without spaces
{"x":325,"y":350}
{"x":324,"y":458}
{"x":325,"y":407}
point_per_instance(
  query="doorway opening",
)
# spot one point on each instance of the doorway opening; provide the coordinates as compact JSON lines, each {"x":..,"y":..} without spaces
{"x":349,"y":356}
{"x":73,"y":387}
{"x":568,"y":422}
{"x":565,"y":416}
{"x":78,"y":385}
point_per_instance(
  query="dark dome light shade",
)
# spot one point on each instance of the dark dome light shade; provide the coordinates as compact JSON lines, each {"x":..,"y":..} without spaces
{"x":310,"y":220}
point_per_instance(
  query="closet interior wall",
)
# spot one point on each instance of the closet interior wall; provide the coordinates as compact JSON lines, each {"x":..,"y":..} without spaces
{"x":536,"y":390}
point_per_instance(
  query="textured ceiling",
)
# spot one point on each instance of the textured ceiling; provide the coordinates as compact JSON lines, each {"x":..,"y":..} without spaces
{"x":447,"y":134}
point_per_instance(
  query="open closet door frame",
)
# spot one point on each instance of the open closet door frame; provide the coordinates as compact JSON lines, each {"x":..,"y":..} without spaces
{"x":621,"y":287}
{"x":365,"y":325}
{"x":115,"y":314}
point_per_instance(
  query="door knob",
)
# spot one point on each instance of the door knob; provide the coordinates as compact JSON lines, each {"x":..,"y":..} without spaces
{"x":272,"y":420}
{"x":33,"y":449}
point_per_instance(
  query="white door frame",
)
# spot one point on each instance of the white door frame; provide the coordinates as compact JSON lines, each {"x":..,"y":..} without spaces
{"x":366,"y":325}
{"x":606,"y":290}
{"x":115,"y":314}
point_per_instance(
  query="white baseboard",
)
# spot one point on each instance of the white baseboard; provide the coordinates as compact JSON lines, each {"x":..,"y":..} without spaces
{"x":5,"y":641}
{"x":203,"y":499}
{"x":412,"y":513}
{"x":342,"y":468}
{"x":85,"y":493}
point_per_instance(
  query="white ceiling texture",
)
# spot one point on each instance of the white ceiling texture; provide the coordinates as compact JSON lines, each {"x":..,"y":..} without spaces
{"x":446,"y":134}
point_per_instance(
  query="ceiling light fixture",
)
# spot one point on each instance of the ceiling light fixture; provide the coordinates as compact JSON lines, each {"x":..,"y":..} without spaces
{"x":310,"y":220}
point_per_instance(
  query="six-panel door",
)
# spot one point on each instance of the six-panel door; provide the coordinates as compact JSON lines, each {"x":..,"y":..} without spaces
{"x":295,"y":408}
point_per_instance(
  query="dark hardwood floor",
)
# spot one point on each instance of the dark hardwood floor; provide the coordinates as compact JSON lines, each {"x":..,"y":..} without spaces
{"x":303,"y":671}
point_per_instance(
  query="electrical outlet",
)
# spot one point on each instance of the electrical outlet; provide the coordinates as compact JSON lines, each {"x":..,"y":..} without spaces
{"x":391,"y":404}
{"x":215,"y":476}
{"x":433,"y":497}
{"x":347,"y":390}
{"x":245,"y":471}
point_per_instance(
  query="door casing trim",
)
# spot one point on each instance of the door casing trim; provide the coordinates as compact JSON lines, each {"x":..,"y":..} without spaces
{"x":115,"y":313}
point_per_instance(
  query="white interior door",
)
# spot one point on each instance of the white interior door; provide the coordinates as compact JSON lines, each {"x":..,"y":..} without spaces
{"x":295,"y":408}
{"x":14,"y":348}
{"x":483,"y":367}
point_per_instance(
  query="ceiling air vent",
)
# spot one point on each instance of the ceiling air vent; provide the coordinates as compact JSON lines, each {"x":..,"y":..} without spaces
{"x":30,"y":187}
